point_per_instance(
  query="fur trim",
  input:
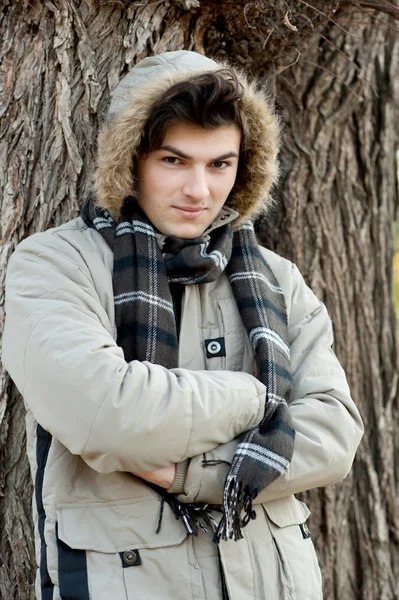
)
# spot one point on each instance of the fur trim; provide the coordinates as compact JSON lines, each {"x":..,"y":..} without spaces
{"x":120,"y":137}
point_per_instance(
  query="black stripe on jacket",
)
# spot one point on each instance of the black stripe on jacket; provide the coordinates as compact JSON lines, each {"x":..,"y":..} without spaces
{"x":42,"y":449}
{"x":72,"y":572}
{"x":72,"y":565}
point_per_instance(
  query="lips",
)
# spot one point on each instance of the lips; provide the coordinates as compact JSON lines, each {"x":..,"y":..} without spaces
{"x":189,"y":212}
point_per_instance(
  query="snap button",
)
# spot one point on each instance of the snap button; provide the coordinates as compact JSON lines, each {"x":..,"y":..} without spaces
{"x":305,"y":531}
{"x":129,"y":557}
{"x":224,"y":217}
{"x":214,"y":347}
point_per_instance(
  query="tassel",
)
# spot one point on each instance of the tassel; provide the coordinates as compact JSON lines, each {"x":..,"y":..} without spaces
{"x":237,"y":499}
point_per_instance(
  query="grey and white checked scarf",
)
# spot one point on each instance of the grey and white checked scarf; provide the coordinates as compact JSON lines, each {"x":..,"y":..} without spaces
{"x":146,"y":330}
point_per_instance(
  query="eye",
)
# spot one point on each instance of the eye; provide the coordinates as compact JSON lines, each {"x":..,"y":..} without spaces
{"x":171,"y":160}
{"x":221,"y":164}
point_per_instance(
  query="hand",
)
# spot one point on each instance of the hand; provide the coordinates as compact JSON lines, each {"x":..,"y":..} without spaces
{"x":163,"y":477}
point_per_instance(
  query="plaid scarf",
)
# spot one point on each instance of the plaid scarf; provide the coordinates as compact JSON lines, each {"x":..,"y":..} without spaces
{"x":146,"y":330}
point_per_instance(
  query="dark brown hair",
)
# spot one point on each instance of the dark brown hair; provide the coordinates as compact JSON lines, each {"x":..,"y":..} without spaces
{"x":208,"y":100}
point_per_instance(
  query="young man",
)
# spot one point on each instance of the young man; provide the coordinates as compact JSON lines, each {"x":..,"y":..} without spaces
{"x":179,"y":380}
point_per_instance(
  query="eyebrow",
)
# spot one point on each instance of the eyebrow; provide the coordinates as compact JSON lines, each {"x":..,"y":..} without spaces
{"x":185,"y":156}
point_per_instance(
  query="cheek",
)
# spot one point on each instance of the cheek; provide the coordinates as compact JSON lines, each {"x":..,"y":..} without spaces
{"x":150,"y":178}
{"x":162,"y":182}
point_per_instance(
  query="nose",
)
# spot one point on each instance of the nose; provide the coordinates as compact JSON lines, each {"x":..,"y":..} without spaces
{"x":196,"y":185}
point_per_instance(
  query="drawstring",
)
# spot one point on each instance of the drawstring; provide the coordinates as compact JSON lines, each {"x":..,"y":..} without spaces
{"x":215,"y":463}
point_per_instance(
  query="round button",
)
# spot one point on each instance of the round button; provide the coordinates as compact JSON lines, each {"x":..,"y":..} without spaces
{"x":224,"y":217}
{"x":129,"y":557}
{"x":214,"y":347}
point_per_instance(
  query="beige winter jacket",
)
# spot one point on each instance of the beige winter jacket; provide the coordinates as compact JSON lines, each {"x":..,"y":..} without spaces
{"x":93,"y":419}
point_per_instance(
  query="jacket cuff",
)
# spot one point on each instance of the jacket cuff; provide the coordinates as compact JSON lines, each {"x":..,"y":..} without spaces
{"x":180,"y":477}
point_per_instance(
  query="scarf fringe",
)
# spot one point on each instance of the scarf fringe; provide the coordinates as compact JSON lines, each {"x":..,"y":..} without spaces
{"x":237,"y":510}
{"x":193,"y":516}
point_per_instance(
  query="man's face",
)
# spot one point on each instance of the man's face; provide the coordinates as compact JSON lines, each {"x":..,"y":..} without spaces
{"x":183,"y":185}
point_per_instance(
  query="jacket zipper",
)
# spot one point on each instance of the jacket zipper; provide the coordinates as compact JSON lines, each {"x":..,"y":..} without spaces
{"x":225,"y":594}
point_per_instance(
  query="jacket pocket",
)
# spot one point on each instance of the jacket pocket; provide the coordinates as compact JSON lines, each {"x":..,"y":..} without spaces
{"x":126,"y":558}
{"x":298,"y":571}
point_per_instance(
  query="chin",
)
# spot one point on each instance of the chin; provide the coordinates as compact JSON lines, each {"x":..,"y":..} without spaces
{"x":185,"y":233}
{"x":190,"y":235}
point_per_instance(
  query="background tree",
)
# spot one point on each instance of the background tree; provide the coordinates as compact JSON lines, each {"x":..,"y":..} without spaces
{"x":333,"y":68}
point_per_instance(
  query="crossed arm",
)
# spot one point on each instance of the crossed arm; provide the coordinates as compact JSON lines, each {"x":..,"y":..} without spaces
{"x":327,"y":424}
{"x":59,"y":349}
{"x":137,"y":417}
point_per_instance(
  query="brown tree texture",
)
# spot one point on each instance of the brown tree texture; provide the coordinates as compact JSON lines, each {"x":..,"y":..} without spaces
{"x":333,"y":69}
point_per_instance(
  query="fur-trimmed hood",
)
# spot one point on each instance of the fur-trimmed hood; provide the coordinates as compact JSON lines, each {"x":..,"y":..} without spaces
{"x":131,"y":104}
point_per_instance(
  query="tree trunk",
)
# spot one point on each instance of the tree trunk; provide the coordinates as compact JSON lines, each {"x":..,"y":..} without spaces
{"x":335,"y":77}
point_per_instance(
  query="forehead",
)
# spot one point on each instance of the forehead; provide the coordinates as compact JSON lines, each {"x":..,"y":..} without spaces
{"x":192,"y":139}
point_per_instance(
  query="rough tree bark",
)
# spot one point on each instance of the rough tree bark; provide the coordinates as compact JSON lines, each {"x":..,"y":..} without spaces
{"x":334,"y":70}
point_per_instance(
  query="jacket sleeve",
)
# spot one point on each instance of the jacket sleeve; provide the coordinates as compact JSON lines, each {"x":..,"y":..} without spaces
{"x":59,"y":349}
{"x":327,"y":423}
